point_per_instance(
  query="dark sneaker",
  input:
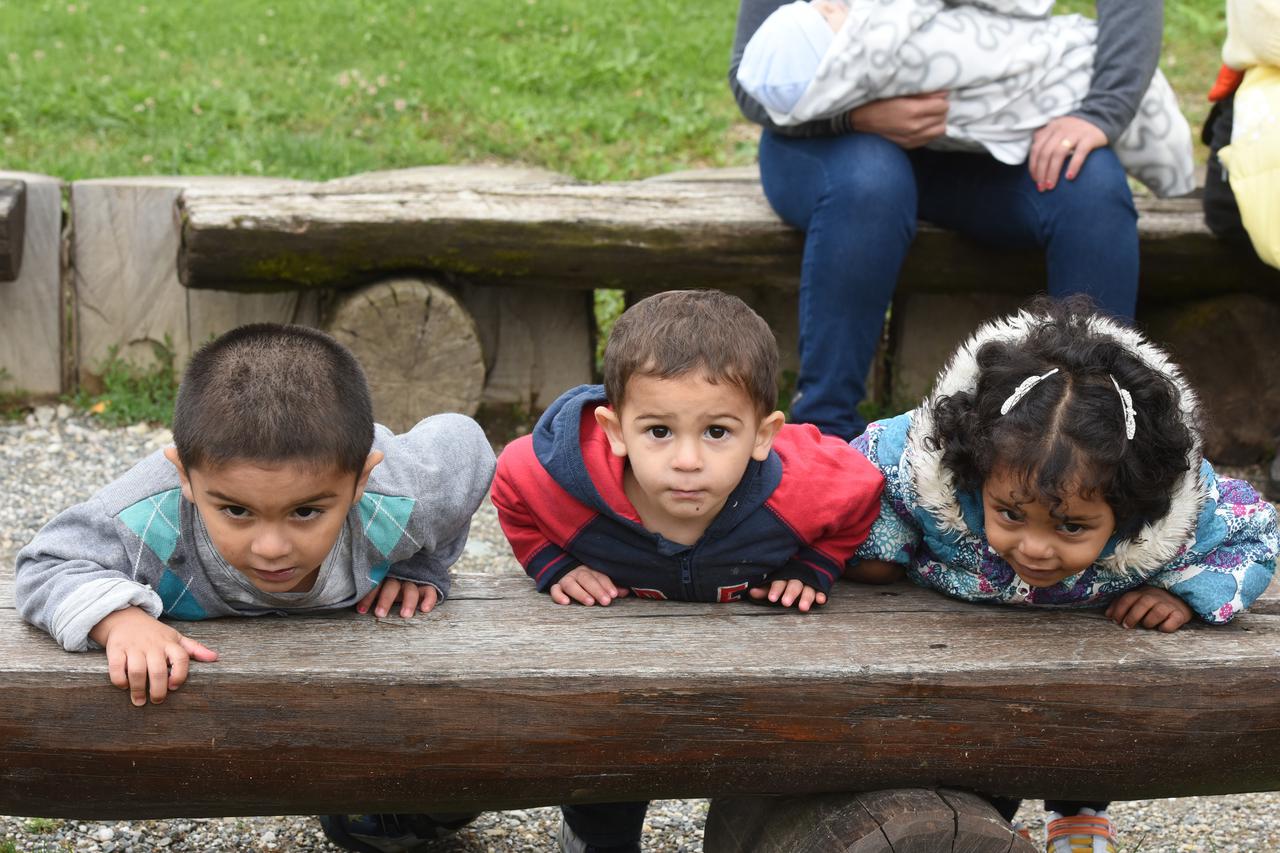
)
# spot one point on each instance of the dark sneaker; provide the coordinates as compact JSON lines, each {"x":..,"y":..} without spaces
{"x":390,"y":833}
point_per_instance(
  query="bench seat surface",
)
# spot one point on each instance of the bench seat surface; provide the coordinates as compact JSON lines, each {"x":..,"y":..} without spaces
{"x":501,"y":699}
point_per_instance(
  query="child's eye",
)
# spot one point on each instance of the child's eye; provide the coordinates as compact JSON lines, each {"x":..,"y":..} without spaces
{"x":658,"y":431}
{"x":306,"y":513}
{"x":235,"y":511}
{"x":1009,"y":515}
{"x":1071,"y":528}
{"x":717,"y":432}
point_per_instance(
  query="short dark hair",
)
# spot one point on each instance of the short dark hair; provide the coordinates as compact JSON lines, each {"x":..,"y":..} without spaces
{"x":672,"y":333}
{"x":1068,"y":432}
{"x":269,"y":392}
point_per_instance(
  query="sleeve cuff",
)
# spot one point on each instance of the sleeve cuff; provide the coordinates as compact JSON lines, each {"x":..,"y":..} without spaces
{"x":93,"y":601}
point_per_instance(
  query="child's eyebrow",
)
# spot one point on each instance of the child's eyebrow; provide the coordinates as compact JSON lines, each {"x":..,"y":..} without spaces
{"x":316,"y":498}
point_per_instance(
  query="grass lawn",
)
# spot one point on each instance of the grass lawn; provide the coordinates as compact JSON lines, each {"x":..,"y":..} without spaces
{"x":98,"y":88}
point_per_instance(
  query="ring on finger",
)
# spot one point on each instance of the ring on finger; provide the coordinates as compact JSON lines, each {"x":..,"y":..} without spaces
{"x":1068,"y":144}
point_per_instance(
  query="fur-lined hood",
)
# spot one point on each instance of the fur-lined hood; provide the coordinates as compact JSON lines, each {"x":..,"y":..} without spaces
{"x":1156,"y":543}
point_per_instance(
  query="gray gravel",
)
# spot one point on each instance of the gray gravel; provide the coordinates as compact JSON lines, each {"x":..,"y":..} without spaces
{"x":58,"y":457}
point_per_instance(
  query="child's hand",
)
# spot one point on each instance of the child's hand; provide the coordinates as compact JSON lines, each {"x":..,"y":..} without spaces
{"x":142,"y":649}
{"x":1150,"y":607}
{"x":586,"y":586}
{"x":788,"y":593}
{"x":413,"y":598}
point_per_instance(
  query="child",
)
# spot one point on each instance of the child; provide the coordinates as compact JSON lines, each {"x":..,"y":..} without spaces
{"x":1057,"y":463}
{"x":1007,"y":66}
{"x":280,"y":495}
{"x":679,"y":480}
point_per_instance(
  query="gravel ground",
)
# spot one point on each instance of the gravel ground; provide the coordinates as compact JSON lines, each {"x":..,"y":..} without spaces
{"x":57,"y":458}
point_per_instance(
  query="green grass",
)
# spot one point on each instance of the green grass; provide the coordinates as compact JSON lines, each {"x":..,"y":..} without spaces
{"x":97,"y":88}
{"x":319,"y":90}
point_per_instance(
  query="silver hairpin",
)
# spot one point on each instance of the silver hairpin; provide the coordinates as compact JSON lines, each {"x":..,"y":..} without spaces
{"x":1022,"y":389}
{"x":1126,"y":405}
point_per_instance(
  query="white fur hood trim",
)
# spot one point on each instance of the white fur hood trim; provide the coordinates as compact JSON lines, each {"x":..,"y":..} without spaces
{"x":1157,"y":543}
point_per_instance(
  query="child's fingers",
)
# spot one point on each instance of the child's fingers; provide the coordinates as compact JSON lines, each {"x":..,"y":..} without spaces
{"x":776,"y":590}
{"x":1137,"y":612}
{"x":599,"y":587}
{"x":572,"y":588}
{"x":1174,"y":621}
{"x":759,"y":592}
{"x":158,"y":673}
{"x":387,"y":596}
{"x":409,"y":595}
{"x":136,"y":669}
{"x":197,"y":649}
{"x":793,"y":591}
{"x":178,"y":665}
{"x":558,"y":595}
{"x":806,"y":599}
{"x":116,"y":668}
{"x":362,"y":606}
{"x":429,"y":599}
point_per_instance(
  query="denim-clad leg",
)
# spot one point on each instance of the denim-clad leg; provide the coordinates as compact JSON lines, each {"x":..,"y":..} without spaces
{"x":1088,"y":227}
{"x":854,"y":197}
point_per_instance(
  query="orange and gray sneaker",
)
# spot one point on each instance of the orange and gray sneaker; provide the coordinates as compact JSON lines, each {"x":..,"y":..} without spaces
{"x":1086,"y":832}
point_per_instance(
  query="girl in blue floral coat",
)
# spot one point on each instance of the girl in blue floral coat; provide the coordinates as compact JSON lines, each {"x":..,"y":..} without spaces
{"x":1057,"y":463}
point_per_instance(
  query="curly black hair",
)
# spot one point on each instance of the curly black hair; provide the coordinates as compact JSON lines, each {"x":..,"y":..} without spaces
{"x":1067,"y":435}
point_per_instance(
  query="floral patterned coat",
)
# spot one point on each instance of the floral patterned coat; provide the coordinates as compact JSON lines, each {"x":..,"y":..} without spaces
{"x":1215,"y":549}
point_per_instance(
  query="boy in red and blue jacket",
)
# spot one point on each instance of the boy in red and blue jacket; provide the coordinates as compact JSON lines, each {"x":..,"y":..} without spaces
{"x":679,"y":480}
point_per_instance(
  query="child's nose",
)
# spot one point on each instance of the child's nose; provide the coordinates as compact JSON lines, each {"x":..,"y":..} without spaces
{"x":1035,"y":547}
{"x":688,"y":456}
{"x":269,"y":544}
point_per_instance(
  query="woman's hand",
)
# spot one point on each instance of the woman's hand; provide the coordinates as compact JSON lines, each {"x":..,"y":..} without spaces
{"x":909,"y":122}
{"x":1065,"y":136}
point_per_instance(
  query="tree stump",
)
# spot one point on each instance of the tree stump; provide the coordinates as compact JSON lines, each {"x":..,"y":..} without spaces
{"x":907,"y":820}
{"x":13,"y":219}
{"x":419,"y":348}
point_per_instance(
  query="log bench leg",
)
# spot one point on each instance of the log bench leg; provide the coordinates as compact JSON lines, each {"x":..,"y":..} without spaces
{"x":906,"y":820}
{"x":418,"y":345}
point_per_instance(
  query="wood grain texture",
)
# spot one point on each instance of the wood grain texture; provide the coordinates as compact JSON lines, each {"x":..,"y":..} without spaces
{"x":502,"y":699}
{"x":638,"y":235}
{"x":13,"y":220}
{"x":418,"y":346}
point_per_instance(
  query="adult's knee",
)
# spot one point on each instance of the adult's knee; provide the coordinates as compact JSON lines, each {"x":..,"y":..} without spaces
{"x":872,"y":176}
{"x":1101,"y":187}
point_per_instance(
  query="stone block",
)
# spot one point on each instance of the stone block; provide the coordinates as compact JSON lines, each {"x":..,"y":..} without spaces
{"x":127,"y":295}
{"x":31,"y":351}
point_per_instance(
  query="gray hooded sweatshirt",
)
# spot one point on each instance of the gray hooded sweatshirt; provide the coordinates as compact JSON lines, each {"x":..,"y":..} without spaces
{"x":140,"y":542}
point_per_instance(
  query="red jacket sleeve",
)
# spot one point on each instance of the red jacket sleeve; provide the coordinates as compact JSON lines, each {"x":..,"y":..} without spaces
{"x":538,"y":517}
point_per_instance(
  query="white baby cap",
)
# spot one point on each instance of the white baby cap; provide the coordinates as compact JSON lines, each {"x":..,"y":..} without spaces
{"x":782,"y":57}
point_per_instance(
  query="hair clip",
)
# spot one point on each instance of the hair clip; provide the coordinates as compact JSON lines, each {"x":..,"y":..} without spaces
{"x":1126,"y":405}
{"x":1022,"y":389}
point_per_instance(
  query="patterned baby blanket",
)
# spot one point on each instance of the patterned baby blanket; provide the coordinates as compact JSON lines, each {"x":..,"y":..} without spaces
{"x":1010,"y":68}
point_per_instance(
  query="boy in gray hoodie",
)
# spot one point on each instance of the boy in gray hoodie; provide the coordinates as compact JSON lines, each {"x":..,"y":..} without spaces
{"x":279,"y":495}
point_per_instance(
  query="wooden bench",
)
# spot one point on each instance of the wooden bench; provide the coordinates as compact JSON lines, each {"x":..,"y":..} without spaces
{"x":541,"y":232}
{"x":502,"y":700}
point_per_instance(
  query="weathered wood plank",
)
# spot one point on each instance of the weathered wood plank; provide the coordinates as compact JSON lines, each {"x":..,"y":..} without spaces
{"x":13,"y":220}
{"x":633,"y":235}
{"x":32,"y":313}
{"x":501,"y":699}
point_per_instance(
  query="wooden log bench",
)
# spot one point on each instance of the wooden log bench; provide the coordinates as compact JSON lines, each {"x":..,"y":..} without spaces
{"x":541,"y":232}
{"x":502,"y":700}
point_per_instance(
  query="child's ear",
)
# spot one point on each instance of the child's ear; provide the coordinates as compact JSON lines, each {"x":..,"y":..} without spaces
{"x":765,"y":434}
{"x":608,"y":420}
{"x":375,"y":456}
{"x":171,"y":453}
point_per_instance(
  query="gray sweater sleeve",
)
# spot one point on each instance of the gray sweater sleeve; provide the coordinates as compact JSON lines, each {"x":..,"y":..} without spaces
{"x":447,"y":462}
{"x":751,"y":14}
{"x":74,"y":573}
{"x":1129,"y":34}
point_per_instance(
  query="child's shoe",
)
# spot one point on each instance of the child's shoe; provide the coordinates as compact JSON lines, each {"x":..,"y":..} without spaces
{"x":1086,"y":832}
{"x":570,"y":843}
{"x":389,"y":833}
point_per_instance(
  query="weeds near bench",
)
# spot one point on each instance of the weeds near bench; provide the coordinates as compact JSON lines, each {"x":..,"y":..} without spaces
{"x":132,"y":393}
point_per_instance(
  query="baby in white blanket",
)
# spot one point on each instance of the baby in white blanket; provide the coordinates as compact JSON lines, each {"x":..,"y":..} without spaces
{"x":1008,"y":67}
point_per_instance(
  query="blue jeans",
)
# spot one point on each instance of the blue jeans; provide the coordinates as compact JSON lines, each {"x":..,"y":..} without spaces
{"x":858,"y":197}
